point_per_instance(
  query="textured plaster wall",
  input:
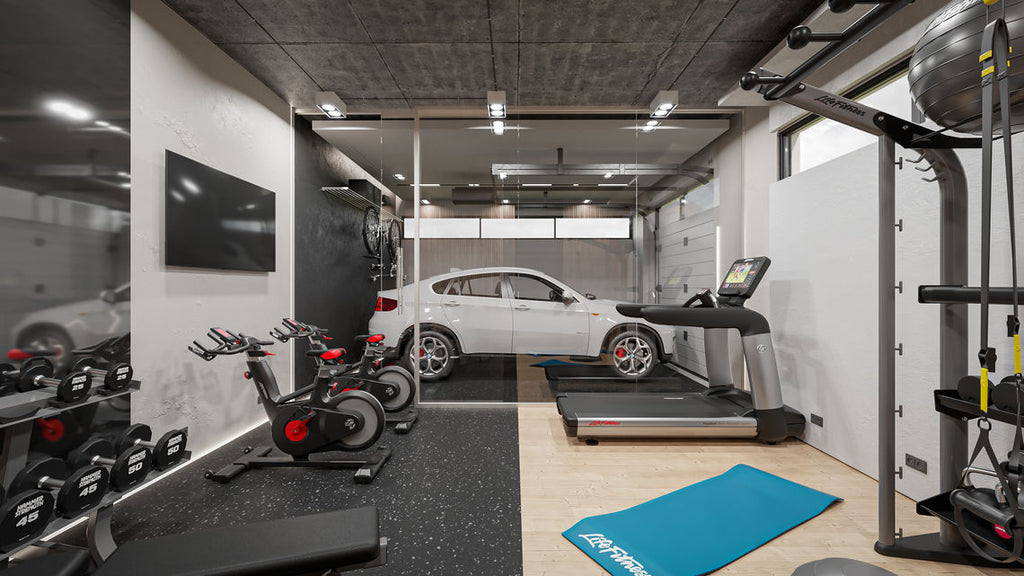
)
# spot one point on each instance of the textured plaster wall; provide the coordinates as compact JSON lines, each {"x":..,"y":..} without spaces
{"x":191,"y":98}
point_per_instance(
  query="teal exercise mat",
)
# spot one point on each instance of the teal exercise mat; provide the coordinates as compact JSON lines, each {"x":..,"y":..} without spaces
{"x":699,"y":528}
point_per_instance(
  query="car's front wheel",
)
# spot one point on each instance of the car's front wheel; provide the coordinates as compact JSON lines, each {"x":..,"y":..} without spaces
{"x":633,"y":354}
{"x":434,"y":357}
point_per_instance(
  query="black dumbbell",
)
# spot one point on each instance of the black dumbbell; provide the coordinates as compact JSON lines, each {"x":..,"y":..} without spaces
{"x":23,"y":517}
{"x":127,"y":469}
{"x":10,"y":374}
{"x":71,"y":388}
{"x":82,"y":490}
{"x":167,"y":451}
{"x":115,"y":378}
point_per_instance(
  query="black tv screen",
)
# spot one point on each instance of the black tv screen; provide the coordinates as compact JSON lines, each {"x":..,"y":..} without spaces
{"x":214,"y":220}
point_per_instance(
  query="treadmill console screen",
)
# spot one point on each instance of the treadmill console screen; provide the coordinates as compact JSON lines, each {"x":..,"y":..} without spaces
{"x":744,"y":276}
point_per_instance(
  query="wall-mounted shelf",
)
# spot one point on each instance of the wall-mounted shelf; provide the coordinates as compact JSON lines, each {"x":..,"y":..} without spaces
{"x":346,"y":194}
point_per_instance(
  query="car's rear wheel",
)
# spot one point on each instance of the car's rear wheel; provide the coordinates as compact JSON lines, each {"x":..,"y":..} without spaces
{"x":633,"y":354}
{"x":50,"y":338}
{"x":434,"y":357}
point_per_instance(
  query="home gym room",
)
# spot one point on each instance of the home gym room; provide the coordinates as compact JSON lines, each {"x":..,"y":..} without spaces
{"x":510,"y":287}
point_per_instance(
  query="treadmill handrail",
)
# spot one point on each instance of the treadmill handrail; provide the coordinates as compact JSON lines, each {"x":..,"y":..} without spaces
{"x":947,"y":294}
{"x":747,"y":321}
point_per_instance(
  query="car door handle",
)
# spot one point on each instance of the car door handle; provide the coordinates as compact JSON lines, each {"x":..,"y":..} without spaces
{"x":522,"y":307}
{"x":451,"y":303}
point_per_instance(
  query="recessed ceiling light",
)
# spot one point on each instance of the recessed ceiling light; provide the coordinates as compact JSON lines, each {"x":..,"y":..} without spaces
{"x":659,"y":113}
{"x":575,"y":184}
{"x":664,"y":103}
{"x":400,"y":177}
{"x":652,"y":122}
{"x":538,"y":185}
{"x":502,"y":175}
{"x":331,"y":105}
{"x":68,"y":110}
{"x":586,"y":201}
{"x":424,"y":201}
{"x":429,"y":185}
{"x":496,"y":103}
{"x":608,"y":175}
{"x":473,"y":185}
{"x":504,"y":201}
{"x":498,"y":127}
{"x":613,"y":184}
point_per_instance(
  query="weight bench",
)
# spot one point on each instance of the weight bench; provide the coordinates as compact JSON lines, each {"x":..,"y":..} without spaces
{"x":315,"y":543}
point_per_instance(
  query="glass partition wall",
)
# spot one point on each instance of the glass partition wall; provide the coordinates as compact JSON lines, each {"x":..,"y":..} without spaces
{"x":529,"y":235}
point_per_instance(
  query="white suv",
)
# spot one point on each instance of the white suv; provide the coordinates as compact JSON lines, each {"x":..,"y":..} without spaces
{"x":514,"y":311}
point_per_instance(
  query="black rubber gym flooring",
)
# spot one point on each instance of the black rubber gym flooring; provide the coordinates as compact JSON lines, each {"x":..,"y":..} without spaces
{"x":448,"y":499}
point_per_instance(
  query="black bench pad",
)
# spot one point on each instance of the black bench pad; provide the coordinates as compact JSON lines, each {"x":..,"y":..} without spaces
{"x":311,"y":543}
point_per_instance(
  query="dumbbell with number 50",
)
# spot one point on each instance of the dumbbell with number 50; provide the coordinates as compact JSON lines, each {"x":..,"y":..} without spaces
{"x":37,"y":373}
{"x":167,"y":451}
{"x":115,"y":378}
{"x":127,"y":469}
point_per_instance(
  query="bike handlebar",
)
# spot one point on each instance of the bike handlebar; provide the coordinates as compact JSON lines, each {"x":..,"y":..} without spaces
{"x":227,"y":343}
{"x":295,"y":329}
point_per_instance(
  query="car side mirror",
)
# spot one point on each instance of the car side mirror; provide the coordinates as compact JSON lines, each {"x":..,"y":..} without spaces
{"x":108,"y":296}
{"x":590,"y":296}
{"x":567,"y":300}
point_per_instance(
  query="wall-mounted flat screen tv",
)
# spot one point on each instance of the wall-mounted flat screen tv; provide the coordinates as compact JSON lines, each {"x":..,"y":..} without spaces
{"x":214,"y":220}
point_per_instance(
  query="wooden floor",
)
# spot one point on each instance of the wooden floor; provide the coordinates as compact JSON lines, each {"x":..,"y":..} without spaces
{"x":564,"y":481}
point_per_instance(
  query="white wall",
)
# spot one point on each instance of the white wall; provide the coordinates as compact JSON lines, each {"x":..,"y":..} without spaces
{"x":189,"y":97}
{"x":824,"y":246}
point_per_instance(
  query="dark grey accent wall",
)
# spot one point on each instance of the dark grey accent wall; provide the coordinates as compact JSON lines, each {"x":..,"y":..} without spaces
{"x":332,"y":277}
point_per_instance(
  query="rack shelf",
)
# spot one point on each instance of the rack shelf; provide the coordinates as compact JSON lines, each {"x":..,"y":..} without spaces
{"x":356,"y":199}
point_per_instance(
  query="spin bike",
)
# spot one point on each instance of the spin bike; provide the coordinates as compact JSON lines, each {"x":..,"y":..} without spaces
{"x":303,"y":422}
{"x":392,"y":385}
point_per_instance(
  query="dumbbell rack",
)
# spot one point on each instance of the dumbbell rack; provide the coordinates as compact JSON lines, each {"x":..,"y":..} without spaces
{"x":17,"y":414}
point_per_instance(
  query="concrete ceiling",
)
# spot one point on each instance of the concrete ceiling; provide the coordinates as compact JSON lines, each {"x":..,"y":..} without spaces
{"x":73,"y":50}
{"x":393,"y":54}
{"x":460,"y":152}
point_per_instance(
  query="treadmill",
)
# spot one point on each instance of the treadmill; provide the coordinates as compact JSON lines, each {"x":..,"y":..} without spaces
{"x":721,"y":411}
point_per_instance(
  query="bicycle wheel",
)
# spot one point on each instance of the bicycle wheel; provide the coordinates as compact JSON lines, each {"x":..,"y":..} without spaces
{"x":394,"y":239}
{"x":372,"y":231}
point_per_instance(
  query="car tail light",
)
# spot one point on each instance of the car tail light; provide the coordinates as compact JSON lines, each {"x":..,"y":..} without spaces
{"x":386,"y":304}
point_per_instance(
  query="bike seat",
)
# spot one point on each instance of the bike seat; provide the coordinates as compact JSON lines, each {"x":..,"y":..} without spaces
{"x":332,"y":354}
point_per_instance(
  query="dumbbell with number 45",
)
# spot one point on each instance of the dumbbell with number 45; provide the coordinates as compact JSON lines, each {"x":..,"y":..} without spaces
{"x":82,"y":490}
{"x":115,"y":378}
{"x":167,"y":451}
{"x":127,"y":469}
{"x":37,"y":373}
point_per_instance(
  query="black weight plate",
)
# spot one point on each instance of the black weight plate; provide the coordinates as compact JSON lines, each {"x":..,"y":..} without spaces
{"x":83,"y":365}
{"x":82,"y":456}
{"x":132,"y":433}
{"x":28,"y":477}
{"x":74,"y":387}
{"x":130,"y":468}
{"x":118,"y":377}
{"x":26,"y":381}
{"x":969,"y":389}
{"x":38,"y":361}
{"x":169,"y":449}
{"x":83,"y":490}
{"x":8,"y":378}
{"x":23,"y":517}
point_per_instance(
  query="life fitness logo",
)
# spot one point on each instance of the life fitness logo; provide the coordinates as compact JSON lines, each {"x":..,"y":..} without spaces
{"x":606,"y":546}
{"x":604,"y":423}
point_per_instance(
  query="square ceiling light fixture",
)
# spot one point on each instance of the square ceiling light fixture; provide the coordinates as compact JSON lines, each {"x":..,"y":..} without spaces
{"x":496,"y":103}
{"x":664,"y":103}
{"x":331,"y":105}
